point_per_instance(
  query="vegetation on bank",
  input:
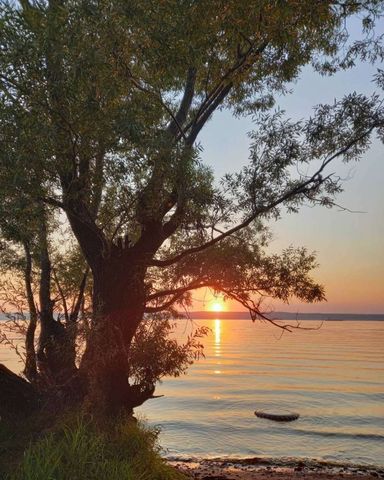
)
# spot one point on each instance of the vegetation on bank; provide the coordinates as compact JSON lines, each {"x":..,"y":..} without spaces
{"x":80,"y":447}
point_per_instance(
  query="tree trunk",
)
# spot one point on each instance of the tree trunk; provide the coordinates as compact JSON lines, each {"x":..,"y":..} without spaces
{"x":56,"y":363}
{"x":73,"y":318}
{"x":118,"y":310}
{"x":30,"y":369}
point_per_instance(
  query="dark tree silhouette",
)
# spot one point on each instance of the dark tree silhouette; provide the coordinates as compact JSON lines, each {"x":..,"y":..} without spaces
{"x":104,"y":103}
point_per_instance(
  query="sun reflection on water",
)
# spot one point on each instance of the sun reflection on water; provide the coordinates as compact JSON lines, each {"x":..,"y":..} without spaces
{"x":217,"y":343}
{"x":217,"y":331}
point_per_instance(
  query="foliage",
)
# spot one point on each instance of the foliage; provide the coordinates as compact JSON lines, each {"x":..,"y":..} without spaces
{"x":113,"y":102}
{"x":154,"y":354}
{"x":79,"y":448}
{"x":101,"y":107}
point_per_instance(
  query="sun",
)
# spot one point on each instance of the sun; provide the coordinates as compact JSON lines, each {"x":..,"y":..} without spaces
{"x":217,"y":307}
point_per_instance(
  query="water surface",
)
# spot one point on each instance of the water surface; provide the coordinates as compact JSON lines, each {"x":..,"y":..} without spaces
{"x":334,"y":377}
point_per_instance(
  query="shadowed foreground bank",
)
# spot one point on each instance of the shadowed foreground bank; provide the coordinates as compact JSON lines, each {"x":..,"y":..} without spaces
{"x":81,"y":448}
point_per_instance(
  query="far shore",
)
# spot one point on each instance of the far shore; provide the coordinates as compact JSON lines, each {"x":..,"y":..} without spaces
{"x":337,"y":317}
{"x":270,"y":469}
{"x":244,"y":315}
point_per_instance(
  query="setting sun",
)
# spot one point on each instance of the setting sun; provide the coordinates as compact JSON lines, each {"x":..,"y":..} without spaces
{"x":217,"y":307}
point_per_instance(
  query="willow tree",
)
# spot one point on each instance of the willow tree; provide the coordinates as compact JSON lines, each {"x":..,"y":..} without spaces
{"x":115,"y":95}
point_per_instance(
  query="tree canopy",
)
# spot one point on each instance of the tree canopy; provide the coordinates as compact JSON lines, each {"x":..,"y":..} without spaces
{"x":101,"y":107}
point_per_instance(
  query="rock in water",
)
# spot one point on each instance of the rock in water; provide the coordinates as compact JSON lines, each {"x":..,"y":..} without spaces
{"x":277,"y":416}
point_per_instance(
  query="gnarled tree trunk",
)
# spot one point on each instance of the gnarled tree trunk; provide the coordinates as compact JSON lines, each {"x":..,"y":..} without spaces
{"x":118,"y":310}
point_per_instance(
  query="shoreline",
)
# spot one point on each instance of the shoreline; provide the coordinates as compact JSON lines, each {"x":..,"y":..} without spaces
{"x":258,"y":468}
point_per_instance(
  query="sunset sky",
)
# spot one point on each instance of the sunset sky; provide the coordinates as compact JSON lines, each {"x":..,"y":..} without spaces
{"x":349,"y":246}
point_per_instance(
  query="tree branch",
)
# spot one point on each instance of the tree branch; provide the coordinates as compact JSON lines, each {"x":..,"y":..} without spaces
{"x":76,"y":308}
{"x":313,"y":182}
{"x":185,"y":104}
{"x":147,"y":89}
{"x":221,"y":90}
{"x":207,"y":113}
{"x":256,"y":313}
{"x":176,"y":293}
{"x":53,"y":202}
{"x":61,"y":293}
{"x":295,"y":191}
{"x":90,"y":237}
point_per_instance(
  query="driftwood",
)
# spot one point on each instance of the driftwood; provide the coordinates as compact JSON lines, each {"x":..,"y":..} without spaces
{"x":17,"y":396}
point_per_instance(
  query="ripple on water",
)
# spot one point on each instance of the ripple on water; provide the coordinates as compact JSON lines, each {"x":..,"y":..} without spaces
{"x":334,"y":377}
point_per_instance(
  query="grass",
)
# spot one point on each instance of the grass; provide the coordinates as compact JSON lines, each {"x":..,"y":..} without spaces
{"x":79,"y":448}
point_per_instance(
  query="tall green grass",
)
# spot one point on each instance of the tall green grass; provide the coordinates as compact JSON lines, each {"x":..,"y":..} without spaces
{"x":82,"y":449}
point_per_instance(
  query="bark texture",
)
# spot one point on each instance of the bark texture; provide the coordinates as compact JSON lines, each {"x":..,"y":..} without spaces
{"x":119,"y":299}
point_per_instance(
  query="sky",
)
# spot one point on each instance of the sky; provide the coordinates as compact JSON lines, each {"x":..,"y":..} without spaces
{"x":349,"y":246}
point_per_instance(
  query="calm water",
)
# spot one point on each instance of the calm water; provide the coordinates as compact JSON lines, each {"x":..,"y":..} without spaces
{"x":334,"y":377}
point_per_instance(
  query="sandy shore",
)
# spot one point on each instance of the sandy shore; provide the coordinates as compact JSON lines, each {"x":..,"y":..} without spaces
{"x":261,"y":469}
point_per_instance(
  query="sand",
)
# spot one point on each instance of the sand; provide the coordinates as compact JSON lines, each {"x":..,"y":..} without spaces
{"x":253,"y":470}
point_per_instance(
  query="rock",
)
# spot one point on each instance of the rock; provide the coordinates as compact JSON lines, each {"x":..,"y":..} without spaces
{"x":277,"y":416}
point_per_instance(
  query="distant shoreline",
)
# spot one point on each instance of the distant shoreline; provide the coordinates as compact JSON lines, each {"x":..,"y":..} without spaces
{"x":287,"y":316}
{"x":323,"y":317}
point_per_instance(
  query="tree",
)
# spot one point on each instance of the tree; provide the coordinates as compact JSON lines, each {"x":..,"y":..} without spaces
{"x":113,"y":96}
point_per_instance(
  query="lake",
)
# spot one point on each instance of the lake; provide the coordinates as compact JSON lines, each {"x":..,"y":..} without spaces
{"x":333,"y":377}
